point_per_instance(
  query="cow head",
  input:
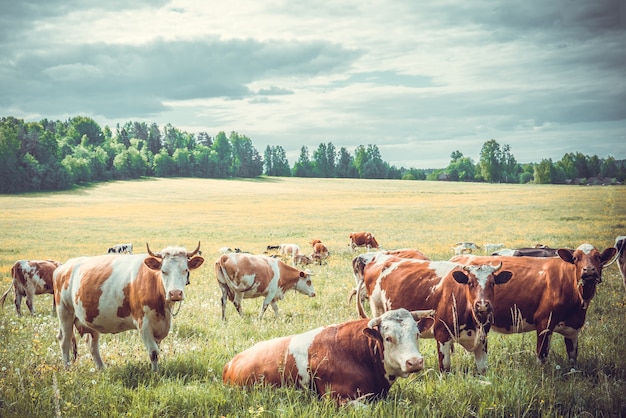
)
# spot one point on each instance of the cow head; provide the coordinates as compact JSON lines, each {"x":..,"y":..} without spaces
{"x":304,"y":284}
{"x":480,"y":281}
{"x":174,"y":264}
{"x":589,"y":263}
{"x":396,"y":331}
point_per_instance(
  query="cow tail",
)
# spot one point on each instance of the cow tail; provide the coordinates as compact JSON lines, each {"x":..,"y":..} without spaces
{"x":223,"y":277}
{"x":359,"y":304}
{"x":3,"y":298}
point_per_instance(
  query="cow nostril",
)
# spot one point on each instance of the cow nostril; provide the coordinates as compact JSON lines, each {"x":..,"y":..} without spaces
{"x":176,"y":295}
{"x":415,"y":363}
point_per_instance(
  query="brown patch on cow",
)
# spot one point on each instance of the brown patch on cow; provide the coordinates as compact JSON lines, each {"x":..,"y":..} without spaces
{"x":95,"y":273}
{"x":148,"y":283}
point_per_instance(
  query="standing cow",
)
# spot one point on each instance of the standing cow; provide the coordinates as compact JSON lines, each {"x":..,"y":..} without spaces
{"x":363,"y":239}
{"x":30,"y":278}
{"x":115,"y":293}
{"x":620,"y":245}
{"x":243,"y":276}
{"x":547,"y":294}
{"x":460,"y":295}
{"x":352,"y":360}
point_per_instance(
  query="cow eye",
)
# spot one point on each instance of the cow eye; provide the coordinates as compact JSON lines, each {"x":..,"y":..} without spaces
{"x":389,"y":339}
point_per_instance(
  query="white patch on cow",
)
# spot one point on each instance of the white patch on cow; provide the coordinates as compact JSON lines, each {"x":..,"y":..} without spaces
{"x":482,"y":273}
{"x":566,"y":331}
{"x":586,"y":248}
{"x":299,"y":348}
{"x":445,"y":349}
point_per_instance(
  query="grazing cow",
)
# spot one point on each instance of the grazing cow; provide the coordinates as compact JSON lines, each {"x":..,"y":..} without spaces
{"x":30,"y":278}
{"x":243,"y":276}
{"x":111,"y":294}
{"x":363,"y":239}
{"x":320,"y":251}
{"x":464,"y":248}
{"x":348,"y":361}
{"x":360,"y":261}
{"x":302,"y":259}
{"x":121,"y":249}
{"x":492,"y":248}
{"x":547,"y":294}
{"x":620,"y":244}
{"x":460,"y":295}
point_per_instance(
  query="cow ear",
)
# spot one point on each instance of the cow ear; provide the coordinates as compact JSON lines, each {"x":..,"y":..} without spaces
{"x":153,"y":263}
{"x":608,"y":254}
{"x":195,"y":262}
{"x":566,"y":255}
{"x":460,"y":277}
{"x":502,"y":277}
{"x":373,"y":334}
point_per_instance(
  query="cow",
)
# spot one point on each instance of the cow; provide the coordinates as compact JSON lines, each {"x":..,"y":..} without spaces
{"x":360,"y":261}
{"x":114,"y":293}
{"x":348,"y":361}
{"x":320,"y":251}
{"x":121,"y":249}
{"x":302,"y":259}
{"x":528,"y":252}
{"x":620,"y":245}
{"x":492,"y":248}
{"x":290,"y":250}
{"x":547,"y":294}
{"x":464,"y":248}
{"x":243,"y":276}
{"x":363,"y":239}
{"x":462,"y":297}
{"x":30,"y":278}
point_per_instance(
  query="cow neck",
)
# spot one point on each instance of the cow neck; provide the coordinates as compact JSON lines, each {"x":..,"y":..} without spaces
{"x":377,"y":355}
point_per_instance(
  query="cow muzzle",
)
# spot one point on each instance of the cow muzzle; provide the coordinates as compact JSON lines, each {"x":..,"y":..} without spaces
{"x":589,"y":274}
{"x":175,"y":295}
{"x":414,"y":364}
{"x":482,"y":310}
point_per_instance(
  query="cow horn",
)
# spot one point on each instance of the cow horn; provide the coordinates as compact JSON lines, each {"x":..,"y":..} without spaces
{"x":194,"y":252}
{"x":498,"y":267}
{"x":151,"y":253}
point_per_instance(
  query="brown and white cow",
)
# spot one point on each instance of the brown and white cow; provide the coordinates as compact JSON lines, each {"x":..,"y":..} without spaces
{"x":114,"y":293}
{"x":30,"y":278}
{"x":320,"y":251}
{"x":244,"y":276}
{"x":360,"y":262}
{"x":289,"y":250}
{"x":363,"y":239}
{"x":348,"y":361}
{"x":620,"y":245}
{"x":460,"y":295}
{"x":547,"y":294}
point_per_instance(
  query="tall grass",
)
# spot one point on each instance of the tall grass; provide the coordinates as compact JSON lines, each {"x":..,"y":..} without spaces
{"x":252,"y":214}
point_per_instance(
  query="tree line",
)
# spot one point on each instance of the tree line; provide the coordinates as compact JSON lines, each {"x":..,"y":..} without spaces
{"x":55,"y":155}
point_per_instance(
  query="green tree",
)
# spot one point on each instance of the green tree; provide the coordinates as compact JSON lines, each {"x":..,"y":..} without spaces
{"x":345,"y":164}
{"x":83,"y":126}
{"x":490,"y":161}
{"x":223,"y":149}
{"x":544,"y":172}
{"x":303,"y":167}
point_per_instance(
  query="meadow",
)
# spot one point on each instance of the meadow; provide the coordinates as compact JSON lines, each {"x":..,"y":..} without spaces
{"x":251,"y":214}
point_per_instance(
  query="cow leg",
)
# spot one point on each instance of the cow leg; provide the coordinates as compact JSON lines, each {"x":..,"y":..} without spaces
{"x":480,"y":357}
{"x":18,"y":302}
{"x":93,"y":339}
{"x":444,"y":350}
{"x":30,"y":295}
{"x":275,"y":307}
{"x":543,"y":343}
{"x":571,"y":344}
{"x":151,"y":345}
{"x":224,"y":301}
{"x":66,"y":333}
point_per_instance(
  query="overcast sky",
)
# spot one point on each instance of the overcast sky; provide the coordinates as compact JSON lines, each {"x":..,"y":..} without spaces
{"x":420,"y":79}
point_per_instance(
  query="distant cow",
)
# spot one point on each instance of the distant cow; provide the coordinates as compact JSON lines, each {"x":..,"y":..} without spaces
{"x":348,"y":361}
{"x":620,"y":244}
{"x":464,"y":248}
{"x":121,"y":249}
{"x":462,"y":297}
{"x":243,"y":276}
{"x":302,"y":259}
{"x":30,"y":278}
{"x":111,"y":294}
{"x":320,"y":251}
{"x":289,"y":250}
{"x":528,"y":252}
{"x":547,"y":294}
{"x":363,"y":239}
{"x":491,"y":248}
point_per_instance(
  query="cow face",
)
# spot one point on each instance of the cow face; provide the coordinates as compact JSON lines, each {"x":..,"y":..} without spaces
{"x":304,"y":284}
{"x":397,"y":332}
{"x":174,"y":264}
{"x":589,"y":263}
{"x":480,"y":281}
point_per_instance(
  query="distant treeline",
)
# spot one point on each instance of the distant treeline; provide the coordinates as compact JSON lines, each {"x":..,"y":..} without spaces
{"x":55,"y":155}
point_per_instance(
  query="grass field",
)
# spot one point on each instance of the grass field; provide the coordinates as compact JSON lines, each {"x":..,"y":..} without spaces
{"x":251,"y":214}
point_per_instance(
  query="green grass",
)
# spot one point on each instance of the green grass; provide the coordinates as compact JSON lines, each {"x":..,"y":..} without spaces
{"x":430,"y":216}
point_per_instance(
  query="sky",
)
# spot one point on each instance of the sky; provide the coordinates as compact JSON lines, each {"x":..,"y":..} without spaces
{"x":419,"y":79}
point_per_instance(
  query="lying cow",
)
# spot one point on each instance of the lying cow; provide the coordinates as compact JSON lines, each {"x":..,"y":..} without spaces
{"x":460,"y":295}
{"x":492,"y":248}
{"x":114,"y":293}
{"x":363,"y":239}
{"x":243,"y":276}
{"x":620,"y":245}
{"x":547,"y":295}
{"x":464,"y":248}
{"x":348,"y":361}
{"x":121,"y":249}
{"x":302,"y":259}
{"x":528,"y":252}
{"x":30,"y":278}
